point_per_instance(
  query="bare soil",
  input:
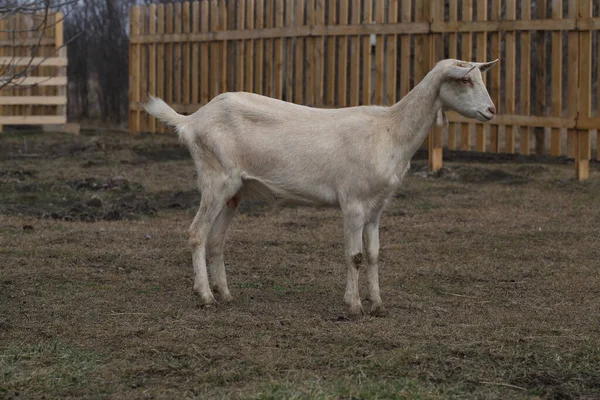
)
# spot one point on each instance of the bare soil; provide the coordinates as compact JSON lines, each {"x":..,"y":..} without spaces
{"x":490,"y":273}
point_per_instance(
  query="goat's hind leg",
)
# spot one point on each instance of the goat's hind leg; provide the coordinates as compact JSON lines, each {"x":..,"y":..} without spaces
{"x":216,"y":243}
{"x":371,"y":244}
{"x":211,"y":204}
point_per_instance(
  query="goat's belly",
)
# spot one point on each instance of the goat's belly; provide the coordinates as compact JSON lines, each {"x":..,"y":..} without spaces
{"x":270,"y":192}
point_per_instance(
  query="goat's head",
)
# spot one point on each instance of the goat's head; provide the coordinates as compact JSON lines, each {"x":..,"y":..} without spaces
{"x":462,"y":89}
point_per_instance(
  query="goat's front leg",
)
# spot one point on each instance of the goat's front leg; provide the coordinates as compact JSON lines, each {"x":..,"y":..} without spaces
{"x":353,"y":228}
{"x":371,"y":239}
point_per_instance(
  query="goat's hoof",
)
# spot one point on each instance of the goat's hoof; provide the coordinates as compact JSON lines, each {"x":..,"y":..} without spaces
{"x":226,"y":297}
{"x":355,"y":311}
{"x":378,"y":310}
{"x":205,"y":300}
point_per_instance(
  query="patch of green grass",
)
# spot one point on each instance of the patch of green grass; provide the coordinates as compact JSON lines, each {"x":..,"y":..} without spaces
{"x":48,"y":367}
{"x":355,"y":389}
{"x":253,"y":285}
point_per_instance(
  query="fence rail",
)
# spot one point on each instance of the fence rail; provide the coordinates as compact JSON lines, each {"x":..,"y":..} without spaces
{"x":40,"y":98}
{"x":342,"y":53}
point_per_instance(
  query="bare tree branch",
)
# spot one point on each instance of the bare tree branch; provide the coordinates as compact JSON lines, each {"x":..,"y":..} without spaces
{"x":12,"y":70}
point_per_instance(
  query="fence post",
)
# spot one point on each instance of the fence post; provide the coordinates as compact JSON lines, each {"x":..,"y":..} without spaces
{"x":436,"y":53}
{"x":584,"y":94}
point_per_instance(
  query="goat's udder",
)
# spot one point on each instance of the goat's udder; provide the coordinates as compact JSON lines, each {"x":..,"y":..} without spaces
{"x":233,"y":202}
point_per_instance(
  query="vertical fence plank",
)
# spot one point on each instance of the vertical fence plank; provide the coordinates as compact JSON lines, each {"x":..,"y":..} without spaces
{"x":525,"y":96}
{"x":186,"y":55}
{"x":222,"y":26}
{"x":259,"y":49}
{"x":289,"y":53}
{"x":299,"y":80}
{"x":556,"y":83}
{"x":331,"y":56}
{"x":355,"y":57}
{"x":379,"y":54}
{"x":343,"y":61}
{"x":204,"y":55}
{"x":143,"y":87}
{"x":241,"y":54}
{"x":319,"y":54}
{"x":453,"y":53}
{"x":269,"y":51}
{"x":169,"y":56}
{"x":160,"y":55}
{"x":509,"y":82}
{"x":134,"y":72}
{"x":467,"y":55}
{"x":391,"y":56}
{"x":278,"y":86}
{"x":152,"y":64}
{"x":310,"y":55}
{"x":366,"y":86}
{"x":494,"y":74}
{"x":539,"y":107}
{"x":480,"y":142}
{"x":405,"y":50}
{"x":215,"y":51}
{"x":421,"y":46}
{"x":572,"y":78}
{"x":436,"y":53}
{"x":178,"y":55}
{"x":584,"y":93}
{"x":195,"y":92}
{"x":230,"y":46}
{"x":421,"y":64}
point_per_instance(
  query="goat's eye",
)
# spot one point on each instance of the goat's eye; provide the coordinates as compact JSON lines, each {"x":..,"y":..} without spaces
{"x":466,"y":80}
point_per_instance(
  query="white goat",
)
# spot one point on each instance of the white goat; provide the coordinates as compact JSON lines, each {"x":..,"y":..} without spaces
{"x":250,"y":146}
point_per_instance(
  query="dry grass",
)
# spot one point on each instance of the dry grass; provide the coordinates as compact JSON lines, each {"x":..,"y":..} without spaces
{"x":490,"y":274}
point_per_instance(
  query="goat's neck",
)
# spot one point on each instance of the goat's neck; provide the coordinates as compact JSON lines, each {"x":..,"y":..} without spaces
{"x":414,"y":115}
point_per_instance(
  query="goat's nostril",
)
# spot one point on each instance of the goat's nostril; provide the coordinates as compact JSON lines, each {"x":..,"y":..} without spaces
{"x":492,"y":110}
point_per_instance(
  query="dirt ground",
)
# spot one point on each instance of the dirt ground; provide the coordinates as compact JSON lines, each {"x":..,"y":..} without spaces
{"x":490,"y":273}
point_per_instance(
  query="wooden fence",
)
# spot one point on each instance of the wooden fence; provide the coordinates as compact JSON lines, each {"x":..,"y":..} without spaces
{"x":341,"y":53}
{"x":40,"y":98}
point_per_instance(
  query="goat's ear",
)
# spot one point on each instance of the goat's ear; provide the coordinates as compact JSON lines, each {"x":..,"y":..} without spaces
{"x":441,"y":120}
{"x":460,"y":71}
{"x":485,"y":66}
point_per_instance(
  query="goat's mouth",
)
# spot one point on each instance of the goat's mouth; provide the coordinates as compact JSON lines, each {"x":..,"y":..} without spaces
{"x":484,"y":116}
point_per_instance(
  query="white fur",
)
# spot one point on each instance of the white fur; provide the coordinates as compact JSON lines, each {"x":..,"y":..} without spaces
{"x":250,"y":146}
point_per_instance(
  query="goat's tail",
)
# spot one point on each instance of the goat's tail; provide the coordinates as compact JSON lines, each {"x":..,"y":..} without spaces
{"x":161,"y":110}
